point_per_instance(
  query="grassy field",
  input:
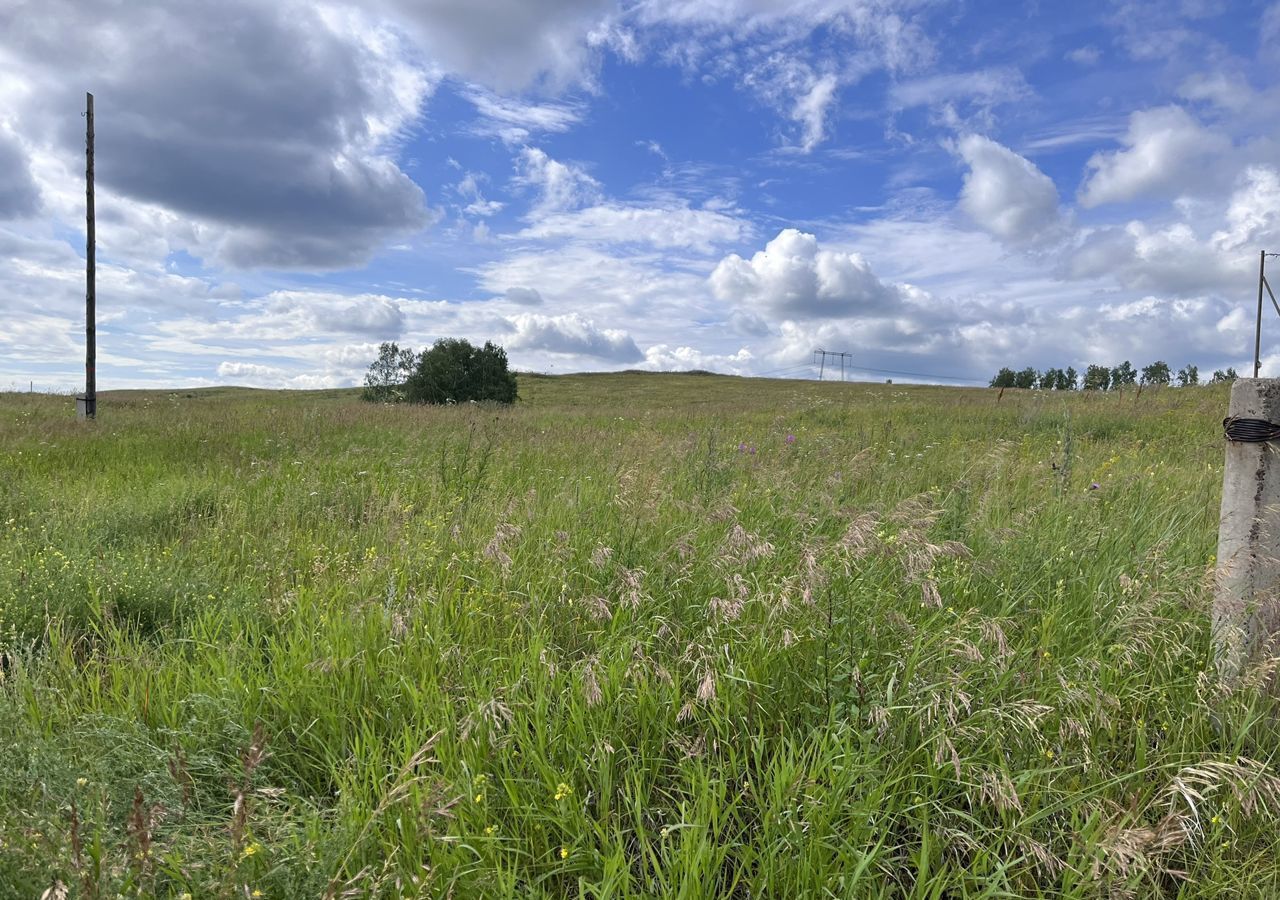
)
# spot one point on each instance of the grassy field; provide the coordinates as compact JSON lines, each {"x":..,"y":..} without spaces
{"x":638,"y":636}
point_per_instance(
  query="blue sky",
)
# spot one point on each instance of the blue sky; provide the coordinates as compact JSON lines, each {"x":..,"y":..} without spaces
{"x":938,"y":188}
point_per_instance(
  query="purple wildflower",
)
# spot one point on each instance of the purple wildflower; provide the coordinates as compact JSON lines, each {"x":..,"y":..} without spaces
{"x":1094,"y":486}
{"x":791,"y":439}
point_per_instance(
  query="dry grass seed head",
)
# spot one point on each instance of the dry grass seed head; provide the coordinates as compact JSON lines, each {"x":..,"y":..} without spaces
{"x":929,"y":594}
{"x":492,"y":713}
{"x":601,"y":555}
{"x":996,"y":789}
{"x":631,"y":592}
{"x":943,"y":750}
{"x":599,"y":608}
{"x":707,"y":687}
{"x":591,"y":692}
{"x":741,"y":547}
{"x":859,"y":538}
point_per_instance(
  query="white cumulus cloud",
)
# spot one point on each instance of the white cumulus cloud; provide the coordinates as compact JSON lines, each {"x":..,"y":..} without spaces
{"x":1005,"y":193}
{"x":572,"y":335}
{"x":1165,"y":150}
{"x":793,"y":278}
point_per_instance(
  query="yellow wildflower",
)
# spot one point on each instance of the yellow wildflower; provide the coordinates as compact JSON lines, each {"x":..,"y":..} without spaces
{"x":564,"y":852}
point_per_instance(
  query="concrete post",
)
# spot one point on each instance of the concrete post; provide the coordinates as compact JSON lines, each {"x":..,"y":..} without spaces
{"x":1246,"y":607}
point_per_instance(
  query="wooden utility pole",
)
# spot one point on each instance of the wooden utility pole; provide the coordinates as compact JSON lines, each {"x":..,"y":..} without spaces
{"x":90,"y":274}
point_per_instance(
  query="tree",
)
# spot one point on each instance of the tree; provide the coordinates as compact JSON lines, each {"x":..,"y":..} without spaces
{"x":1026,"y":378}
{"x":1004,"y":378}
{"x":384,"y":382}
{"x":1049,"y":379}
{"x":1097,"y":378}
{"x":1220,"y":376}
{"x":1123,"y":375}
{"x":1069,"y":380}
{"x":1156,"y":373}
{"x":453,"y":371}
{"x":1189,"y":375}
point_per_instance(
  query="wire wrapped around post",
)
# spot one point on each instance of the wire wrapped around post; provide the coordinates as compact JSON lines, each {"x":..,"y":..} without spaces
{"x":1249,"y":431}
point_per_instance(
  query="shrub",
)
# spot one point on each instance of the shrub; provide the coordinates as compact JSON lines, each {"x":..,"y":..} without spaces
{"x":453,"y":371}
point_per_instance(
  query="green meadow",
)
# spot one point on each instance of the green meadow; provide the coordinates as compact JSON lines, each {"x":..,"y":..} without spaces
{"x":637,"y":636}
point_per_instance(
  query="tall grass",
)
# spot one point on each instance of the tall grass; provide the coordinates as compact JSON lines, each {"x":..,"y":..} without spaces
{"x":640,"y":636}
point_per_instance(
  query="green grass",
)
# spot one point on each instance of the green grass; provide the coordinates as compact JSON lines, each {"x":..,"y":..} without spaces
{"x":623,"y":640}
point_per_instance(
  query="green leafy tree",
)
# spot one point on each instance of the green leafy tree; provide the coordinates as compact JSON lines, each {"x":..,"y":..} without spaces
{"x":384,"y":382}
{"x":1123,"y":375}
{"x":1005,"y":378}
{"x":1069,"y":380}
{"x":1097,"y":378}
{"x":1026,"y":378}
{"x":1049,"y":379}
{"x":1189,"y":375}
{"x":1220,"y":376}
{"x":1156,"y":373}
{"x":454,"y":371}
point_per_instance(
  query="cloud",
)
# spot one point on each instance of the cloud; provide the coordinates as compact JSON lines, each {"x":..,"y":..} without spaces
{"x":665,"y":358}
{"x":885,"y":30}
{"x":507,"y":44}
{"x":1269,"y":33}
{"x":19,"y":195}
{"x":514,"y":120}
{"x":469,"y":190}
{"x":1006,"y":194}
{"x":276,"y":138}
{"x":1166,"y":150}
{"x":671,"y":227}
{"x":256,"y":375}
{"x":792,"y":278}
{"x":1171,"y":260}
{"x":572,"y":335}
{"x":811,"y":111}
{"x":523,"y":296}
{"x":1253,"y":214}
{"x":560,"y":186}
{"x":1087,"y":55}
{"x":986,"y":87}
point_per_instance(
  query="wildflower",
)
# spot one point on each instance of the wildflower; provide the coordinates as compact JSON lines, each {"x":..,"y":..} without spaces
{"x":250,"y":850}
{"x":479,"y":798}
{"x":490,"y":830}
{"x":185,"y":895}
{"x":1046,"y":655}
{"x":1095,"y":486}
{"x":791,"y":439}
{"x":1214,"y":821}
{"x":563,"y":790}
{"x":256,"y":893}
{"x":564,"y":852}
{"x":81,"y":782}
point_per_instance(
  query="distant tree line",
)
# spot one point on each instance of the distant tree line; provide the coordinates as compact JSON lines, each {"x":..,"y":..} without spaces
{"x":451,"y":371}
{"x":1104,"y":378}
